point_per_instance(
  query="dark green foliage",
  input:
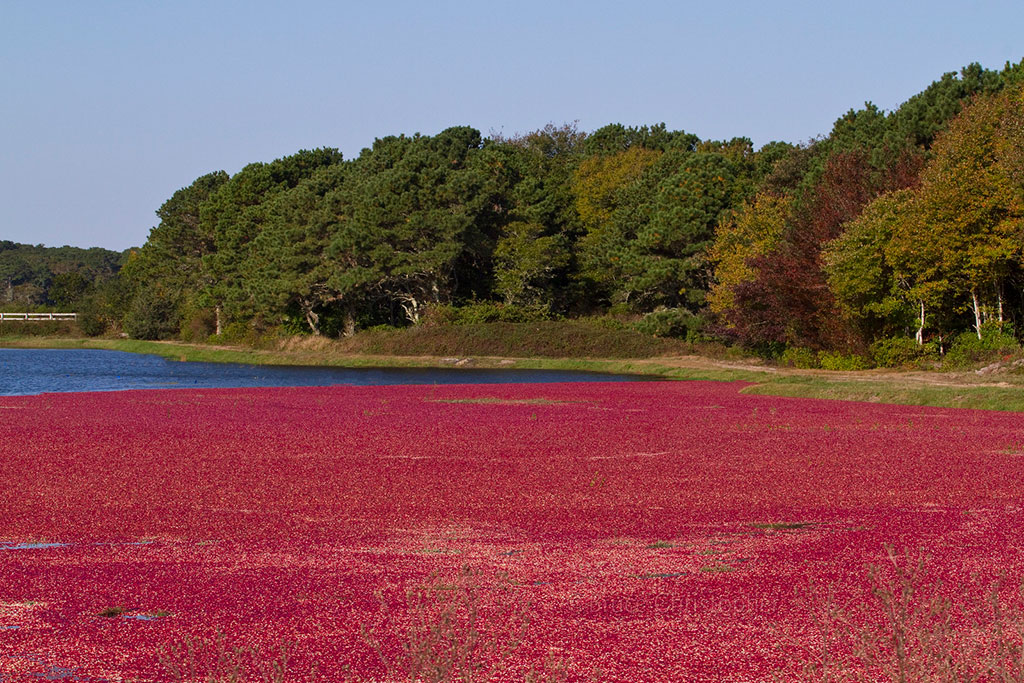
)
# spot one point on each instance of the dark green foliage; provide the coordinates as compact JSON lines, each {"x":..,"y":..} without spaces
{"x":672,"y":322}
{"x":615,"y":138}
{"x":172,"y":258}
{"x":787,"y":170}
{"x":235,"y":214}
{"x":653,"y":251}
{"x":52,"y":276}
{"x":859,"y":130}
{"x":527,"y":261}
{"x":454,"y":230}
{"x":923,"y":116}
{"x":289,"y":263}
{"x":68,"y":289}
{"x":416,"y":213}
{"x":91,"y":320}
{"x":151,"y":316}
{"x":534,"y":259}
{"x":485,"y":312}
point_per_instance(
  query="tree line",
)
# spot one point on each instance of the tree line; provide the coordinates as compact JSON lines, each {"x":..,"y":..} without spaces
{"x":900,"y":225}
{"x":33,"y":276}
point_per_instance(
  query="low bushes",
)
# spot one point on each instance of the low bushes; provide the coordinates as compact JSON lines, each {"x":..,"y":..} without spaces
{"x":671,"y":322}
{"x":997,"y":341}
{"x":799,"y":357}
{"x":842,"y":361}
{"x":486,"y":312}
{"x":899,"y":352}
{"x":40,"y":328}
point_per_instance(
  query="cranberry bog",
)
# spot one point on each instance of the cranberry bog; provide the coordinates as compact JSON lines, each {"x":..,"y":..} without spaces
{"x":629,"y":532}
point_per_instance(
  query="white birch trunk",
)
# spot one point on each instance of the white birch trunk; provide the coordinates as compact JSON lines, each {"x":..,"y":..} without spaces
{"x":920,"y":329}
{"x":977,"y":313}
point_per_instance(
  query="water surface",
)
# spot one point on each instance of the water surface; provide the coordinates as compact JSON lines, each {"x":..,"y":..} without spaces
{"x":35,"y":371}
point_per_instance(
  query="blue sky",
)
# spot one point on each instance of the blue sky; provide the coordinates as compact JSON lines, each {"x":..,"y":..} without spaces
{"x":109,"y":107}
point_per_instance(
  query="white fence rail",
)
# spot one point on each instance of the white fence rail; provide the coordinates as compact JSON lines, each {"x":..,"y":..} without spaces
{"x":38,"y":316}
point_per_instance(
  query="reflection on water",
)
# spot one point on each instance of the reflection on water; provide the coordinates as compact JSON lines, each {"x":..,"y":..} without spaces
{"x":34,"y":371}
{"x":40,"y":545}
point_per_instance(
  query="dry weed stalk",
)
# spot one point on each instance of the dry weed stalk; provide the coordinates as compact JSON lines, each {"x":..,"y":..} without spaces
{"x":907,"y":631}
{"x":213,"y":660}
{"x":453,"y":634}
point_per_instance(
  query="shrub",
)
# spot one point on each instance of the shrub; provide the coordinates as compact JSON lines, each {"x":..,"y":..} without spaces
{"x":620,"y":309}
{"x":997,"y":340}
{"x":91,"y":324}
{"x":608,"y":322}
{"x":798,"y":357}
{"x":252,"y":333}
{"x":151,"y":316}
{"x":841,"y":361}
{"x":197,"y":324}
{"x":485,"y":312}
{"x":43,"y":328}
{"x":671,"y":322}
{"x":92,"y":319}
{"x":897,"y":352}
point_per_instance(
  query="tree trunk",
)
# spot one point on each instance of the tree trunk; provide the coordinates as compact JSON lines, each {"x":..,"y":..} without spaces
{"x":348,"y":328}
{"x":920,"y":329}
{"x":312,"y":319}
{"x":999,"y":298}
{"x":217,"y":321}
{"x":412,"y":309}
{"x":977,"y":313}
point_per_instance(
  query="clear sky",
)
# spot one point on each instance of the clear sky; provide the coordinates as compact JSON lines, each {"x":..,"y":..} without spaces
{"x":107,"y":108}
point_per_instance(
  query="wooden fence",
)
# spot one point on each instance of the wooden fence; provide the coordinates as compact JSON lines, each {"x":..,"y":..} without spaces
{"x":38,"y":316}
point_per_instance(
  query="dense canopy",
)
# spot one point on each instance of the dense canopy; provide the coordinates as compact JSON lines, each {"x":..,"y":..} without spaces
{"x":897,"y":225}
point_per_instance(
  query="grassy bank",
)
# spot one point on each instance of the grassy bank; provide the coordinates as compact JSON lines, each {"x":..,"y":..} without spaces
{"x":585,"y":338}
{"x":942,"y":391}
{"x":674,"y":362}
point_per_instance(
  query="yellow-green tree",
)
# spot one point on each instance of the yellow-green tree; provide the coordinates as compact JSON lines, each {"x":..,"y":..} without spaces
{"x":754,"y":230}
{"x":968,"y":207}
{"x":860,"y":274}
{"x":599,"y":179}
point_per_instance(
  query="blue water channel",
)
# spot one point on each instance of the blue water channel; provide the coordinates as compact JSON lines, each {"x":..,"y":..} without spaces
{"x":35,"y":371}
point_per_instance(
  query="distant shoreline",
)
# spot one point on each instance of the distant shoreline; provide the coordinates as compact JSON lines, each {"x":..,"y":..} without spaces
{"x":1003,"y":392}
